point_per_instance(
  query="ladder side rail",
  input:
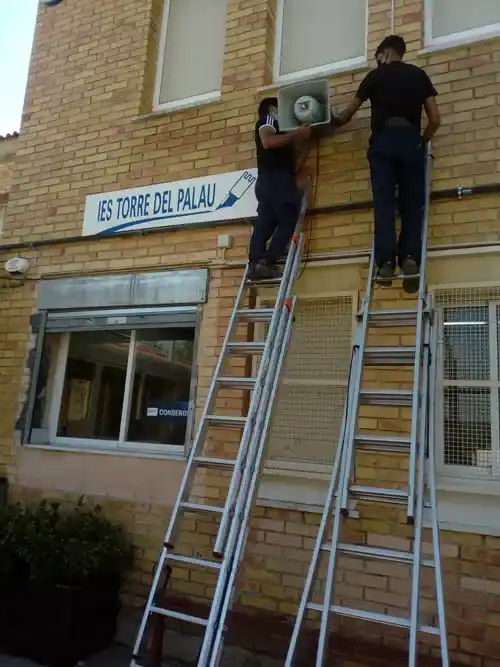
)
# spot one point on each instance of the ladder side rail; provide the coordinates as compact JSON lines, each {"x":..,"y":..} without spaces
{"x":311,"y":574}
{"x":352,"y":418}
{"x":285,"y":289}
{"x":149,"y":603}
{"x":222,"y":583}
{"x":431,"y":479}
{"x":356,"y":361}
{"x":198,"y":441}
{"x":422,"y":292}
{"x":248,"y":493}
{"x":420,"y":491}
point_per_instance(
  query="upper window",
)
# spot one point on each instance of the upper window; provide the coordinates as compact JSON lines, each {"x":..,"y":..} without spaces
{"x":319,"y":37}
{"x":191,"y":53}
{"x":450,"y":22}
{"x":468,"y":382}
{"x":110,"y":389}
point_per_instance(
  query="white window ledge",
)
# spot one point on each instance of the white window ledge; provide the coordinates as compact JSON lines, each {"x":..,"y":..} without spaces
{"x":465,"y":38}
{"x":467,"y":513}
{"x":462,"y":510}
{"x":356,"y":64}
{"x":179,"y":105}
{"x":169,"y":452}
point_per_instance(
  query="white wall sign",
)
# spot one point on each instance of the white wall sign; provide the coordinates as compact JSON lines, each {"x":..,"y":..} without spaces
{"x":208,"y":199}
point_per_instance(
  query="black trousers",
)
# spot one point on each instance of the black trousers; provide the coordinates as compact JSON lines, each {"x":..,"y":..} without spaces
{"x":278,"y":208}
{"x":397,"y":158}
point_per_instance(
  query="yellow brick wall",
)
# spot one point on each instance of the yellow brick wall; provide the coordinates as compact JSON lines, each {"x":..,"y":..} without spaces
{"x":7,"y":156}
{"x":84,"y":132}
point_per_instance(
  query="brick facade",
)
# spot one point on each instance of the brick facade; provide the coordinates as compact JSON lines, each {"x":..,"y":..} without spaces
{"x":87,"y":128}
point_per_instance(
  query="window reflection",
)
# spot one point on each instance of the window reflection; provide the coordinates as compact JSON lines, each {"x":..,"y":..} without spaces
{"x":92,"y":400}
{"x":160,"y":395}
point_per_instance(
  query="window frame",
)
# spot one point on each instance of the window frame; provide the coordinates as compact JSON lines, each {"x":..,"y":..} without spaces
{"x":187,"y":102}
{"x":485,"y":479}
{"x":96,"y":445}
{"x":359,"y":62}
{"x":454,"y":39}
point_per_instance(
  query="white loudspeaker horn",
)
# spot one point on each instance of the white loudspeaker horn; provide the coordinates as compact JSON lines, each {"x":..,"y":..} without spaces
{"x":304,"y":103}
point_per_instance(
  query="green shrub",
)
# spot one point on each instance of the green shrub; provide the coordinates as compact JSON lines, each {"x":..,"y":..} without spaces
{"x":62,"y":547}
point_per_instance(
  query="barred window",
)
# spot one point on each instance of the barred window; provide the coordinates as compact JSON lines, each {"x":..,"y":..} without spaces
{"x":468,"y":381}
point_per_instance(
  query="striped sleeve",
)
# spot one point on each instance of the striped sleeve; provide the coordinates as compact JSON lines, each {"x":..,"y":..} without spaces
{"x":268,"y":122}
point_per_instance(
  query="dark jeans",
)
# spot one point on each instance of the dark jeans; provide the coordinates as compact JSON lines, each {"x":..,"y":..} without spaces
{"x":278,"y":209}
{"x":397,"y":157}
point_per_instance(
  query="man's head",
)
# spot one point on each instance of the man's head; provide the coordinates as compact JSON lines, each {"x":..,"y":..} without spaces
{"x":268,"y":107}
{"x":390,"y":49}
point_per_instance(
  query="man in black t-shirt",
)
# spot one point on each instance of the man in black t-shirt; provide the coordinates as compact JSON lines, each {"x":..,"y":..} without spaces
{"x":278,"y":196}
{"x":398,"y":92}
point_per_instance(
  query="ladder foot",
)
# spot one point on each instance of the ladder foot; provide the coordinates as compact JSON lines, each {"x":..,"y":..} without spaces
{"x":218,"y":555}
{"x":345,"y":512}
{"x":410,"y":520}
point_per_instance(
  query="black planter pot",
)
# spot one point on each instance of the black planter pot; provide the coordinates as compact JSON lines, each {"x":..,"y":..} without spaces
{"x":58,"y":626}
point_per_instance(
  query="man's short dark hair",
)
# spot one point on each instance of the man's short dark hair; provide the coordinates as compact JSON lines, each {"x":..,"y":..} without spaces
{"x":394,"y":42}
{"x":265,"y":105}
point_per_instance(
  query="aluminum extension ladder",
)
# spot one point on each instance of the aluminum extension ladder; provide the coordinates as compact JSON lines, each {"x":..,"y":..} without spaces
{"x":418,"y":445}
{"x":245,"y":468}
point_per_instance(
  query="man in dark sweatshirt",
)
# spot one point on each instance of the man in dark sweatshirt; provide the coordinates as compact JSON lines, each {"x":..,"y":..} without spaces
{"x":398,"y":92}
{"x":278,"y":196}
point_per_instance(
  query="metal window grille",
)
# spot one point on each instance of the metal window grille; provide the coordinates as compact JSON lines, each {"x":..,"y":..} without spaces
{"x":308,"y":412}
{"x":468,"y":380}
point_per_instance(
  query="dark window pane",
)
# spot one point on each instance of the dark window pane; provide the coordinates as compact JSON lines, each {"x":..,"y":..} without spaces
{"x":92,"y":400}
{"x":160,"y":396}
{"x":466,"y":343}
{"x":467,"y":427}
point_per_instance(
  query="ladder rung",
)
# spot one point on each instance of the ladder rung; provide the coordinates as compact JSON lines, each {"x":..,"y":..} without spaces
{"x":208,"y":462}
{"x":375,"y":553}
{"x":204,"y":509}
{"x":398,"y":397}
{"x":226,"y":421}
{"x":397,"y":276}
{"x":245,"y":349}
{"x":392,"y":496}
{"x":386,"y":619}
{"x":189,"y":560}
{"x":390,"y":356}
{"x":180,"y":617}
{"x":383,"y":443}
{"x":236,"y":383}
{"x":399,"y":317}
{"x":269,"y":282}
{"x":255,"y":314}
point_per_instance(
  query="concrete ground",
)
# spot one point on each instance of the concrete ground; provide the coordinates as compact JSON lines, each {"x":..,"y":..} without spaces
{"x":116,"y":657}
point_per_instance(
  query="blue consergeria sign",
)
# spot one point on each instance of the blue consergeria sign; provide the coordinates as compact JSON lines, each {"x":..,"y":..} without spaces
{"x":216,"y":198}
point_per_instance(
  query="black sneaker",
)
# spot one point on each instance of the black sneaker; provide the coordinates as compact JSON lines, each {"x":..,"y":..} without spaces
{"x":262,"y":271}
{"x":251,"y":272}
{"x":409,"y":267}
{"x":275,"y":271}
{"x":385,"y":273}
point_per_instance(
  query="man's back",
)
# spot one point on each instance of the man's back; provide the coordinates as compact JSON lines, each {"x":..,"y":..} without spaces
{"x":397,"y":89}
{"x":278,"y":158}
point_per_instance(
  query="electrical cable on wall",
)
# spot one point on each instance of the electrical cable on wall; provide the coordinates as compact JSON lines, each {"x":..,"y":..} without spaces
{"x":309,"y":228}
